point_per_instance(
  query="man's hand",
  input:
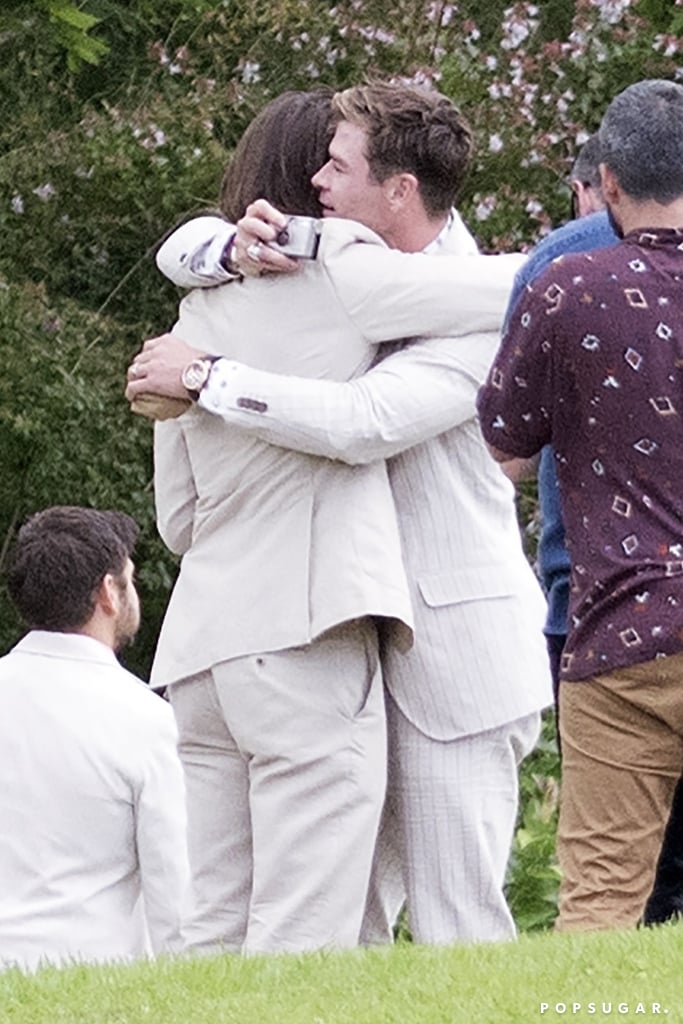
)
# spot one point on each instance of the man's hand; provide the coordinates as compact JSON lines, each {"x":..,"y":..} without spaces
{"x":519,"y":470}
{"x":251,"y":253}
{"x":157,"y":369}
{"x":156,"y":407}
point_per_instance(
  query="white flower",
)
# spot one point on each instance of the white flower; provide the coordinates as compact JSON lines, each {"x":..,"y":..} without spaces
{"x":612,"y":10}
{"x":495,"y":144}
{"x":667,"y":44}
{"x":485,"y":207}
{"x":516,"y":33}
{"x":444,"y":12}
{"x":380,"y":35}
{"x":518,"y":26}
{"x":251,"y":72}
{"x":17,"y":203}
{"x":45,"y":192}
{"x":421,"y":77}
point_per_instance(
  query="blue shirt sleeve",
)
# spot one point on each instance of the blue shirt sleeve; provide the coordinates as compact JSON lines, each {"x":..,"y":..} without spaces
{"x":581,"y":235}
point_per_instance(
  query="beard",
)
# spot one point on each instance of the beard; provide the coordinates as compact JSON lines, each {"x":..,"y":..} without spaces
{"x":127,"y":624}
{"x":616,"y":226}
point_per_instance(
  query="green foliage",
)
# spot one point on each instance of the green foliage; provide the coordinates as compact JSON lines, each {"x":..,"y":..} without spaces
{"x":82,"y":209}
{"x":98,"y":166}
{"x":533,"y":874}
{"x":534,"y":100}
{"x":662,"y":15}
{"x":72,"y":29}
{"x":60,"y":30}
{"x":67,"y":435}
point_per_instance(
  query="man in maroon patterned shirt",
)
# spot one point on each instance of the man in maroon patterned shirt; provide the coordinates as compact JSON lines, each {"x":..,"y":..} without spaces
{"x":593,"y":363}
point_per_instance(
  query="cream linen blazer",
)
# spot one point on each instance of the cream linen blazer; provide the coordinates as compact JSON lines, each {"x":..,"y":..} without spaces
{"x":280,"y":545}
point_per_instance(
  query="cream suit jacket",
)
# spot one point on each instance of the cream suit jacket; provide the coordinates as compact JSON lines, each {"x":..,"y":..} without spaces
{"x":279,"y":545}
{"x":479,"y":658}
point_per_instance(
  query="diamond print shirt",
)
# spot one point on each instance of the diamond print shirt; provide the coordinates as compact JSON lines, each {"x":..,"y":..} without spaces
{"x":592,"y":362}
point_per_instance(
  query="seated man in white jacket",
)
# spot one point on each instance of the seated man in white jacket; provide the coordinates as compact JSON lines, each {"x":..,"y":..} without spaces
{"x":463,"y":704}
{"x":93,"y":856}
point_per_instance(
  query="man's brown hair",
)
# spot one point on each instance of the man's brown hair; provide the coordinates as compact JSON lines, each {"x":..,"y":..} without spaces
{"x":411,"y":129}
{"x":59,"y":559}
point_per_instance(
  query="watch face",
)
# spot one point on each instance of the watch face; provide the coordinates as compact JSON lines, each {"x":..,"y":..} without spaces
{"x":195,"y":374}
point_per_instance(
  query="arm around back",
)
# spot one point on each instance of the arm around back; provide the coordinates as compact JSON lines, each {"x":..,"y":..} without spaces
{"x":414,"y":394}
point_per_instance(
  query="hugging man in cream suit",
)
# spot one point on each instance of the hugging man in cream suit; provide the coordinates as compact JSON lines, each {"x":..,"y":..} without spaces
{"x":464,"y":703}
{"x":269,"y":644}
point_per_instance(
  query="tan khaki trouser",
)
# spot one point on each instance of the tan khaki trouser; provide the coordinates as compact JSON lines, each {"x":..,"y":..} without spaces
{"x":622,"y":747}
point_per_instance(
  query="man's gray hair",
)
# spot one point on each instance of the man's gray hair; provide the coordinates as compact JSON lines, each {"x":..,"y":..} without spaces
{"x":586,"y":167}
{"x":641,"y":139}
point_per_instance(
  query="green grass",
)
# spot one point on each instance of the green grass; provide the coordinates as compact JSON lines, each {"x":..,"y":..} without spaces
{"x":404,"y":985}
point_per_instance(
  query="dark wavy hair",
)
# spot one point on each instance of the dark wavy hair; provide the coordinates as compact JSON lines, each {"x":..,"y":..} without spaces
{"x":278,"y":155}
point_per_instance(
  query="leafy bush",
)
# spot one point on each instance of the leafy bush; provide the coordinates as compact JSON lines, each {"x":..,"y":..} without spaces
{"x":533,"y":874}
{"x":67,"y":435}
{"x":88,"y":186}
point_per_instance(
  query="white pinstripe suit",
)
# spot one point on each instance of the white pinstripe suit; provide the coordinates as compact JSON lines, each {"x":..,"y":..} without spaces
{"x":464,"y":703}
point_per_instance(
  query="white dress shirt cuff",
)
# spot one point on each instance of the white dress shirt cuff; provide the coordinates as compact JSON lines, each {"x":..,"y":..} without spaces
{"x":191,"y":256}
{"x":225,"y":389}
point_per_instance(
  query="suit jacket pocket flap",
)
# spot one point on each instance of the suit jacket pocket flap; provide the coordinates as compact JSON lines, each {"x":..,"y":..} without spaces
{"x":470,"y":584}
